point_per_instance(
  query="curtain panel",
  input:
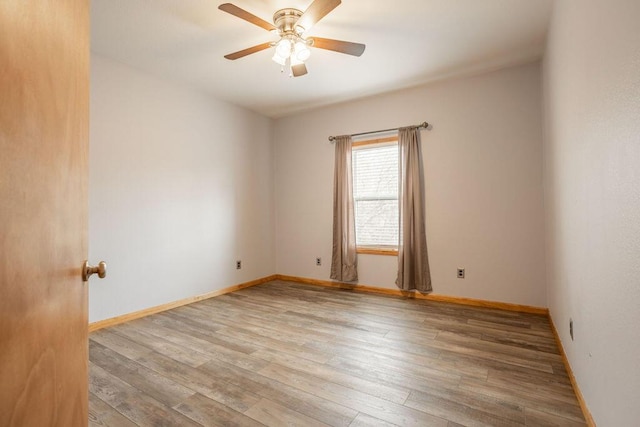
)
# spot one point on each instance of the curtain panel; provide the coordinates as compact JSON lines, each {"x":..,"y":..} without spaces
{"x":344,"y":261}
{"x":413,"y":262}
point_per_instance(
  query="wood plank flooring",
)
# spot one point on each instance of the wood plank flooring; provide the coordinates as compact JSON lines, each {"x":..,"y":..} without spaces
{"x":287,"y":354}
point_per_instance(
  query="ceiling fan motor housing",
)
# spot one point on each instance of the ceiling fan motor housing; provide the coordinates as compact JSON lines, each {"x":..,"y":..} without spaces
{"x":285,"y":20}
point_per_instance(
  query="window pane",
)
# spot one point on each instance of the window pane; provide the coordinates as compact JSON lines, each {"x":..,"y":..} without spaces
{"x":375,"y":172}
{"x":376,"y":222}
{"x":375,"y":190}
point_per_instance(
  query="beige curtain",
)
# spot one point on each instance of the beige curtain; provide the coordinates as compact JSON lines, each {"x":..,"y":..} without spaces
{"x":413,"y":262}
{"x":344,"y":261}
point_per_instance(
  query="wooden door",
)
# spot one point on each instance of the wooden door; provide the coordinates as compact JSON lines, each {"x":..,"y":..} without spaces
{"x":44,"y":115}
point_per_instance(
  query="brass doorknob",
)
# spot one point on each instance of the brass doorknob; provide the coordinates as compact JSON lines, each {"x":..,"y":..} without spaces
{"x":88,"y":270}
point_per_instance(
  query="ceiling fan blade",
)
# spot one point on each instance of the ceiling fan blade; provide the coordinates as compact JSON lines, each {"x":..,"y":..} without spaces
{"x":298,"y":70}
{"x":315,"y":12}
{"x":350,"y":48}
{"x":248,"y":51}
{"x":243,"y":14}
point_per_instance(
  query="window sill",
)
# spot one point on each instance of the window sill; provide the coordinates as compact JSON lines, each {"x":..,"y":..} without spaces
{"x":377,"y":251}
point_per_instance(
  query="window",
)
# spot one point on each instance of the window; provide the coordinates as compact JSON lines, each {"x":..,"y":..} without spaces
{"x":375,"y":193}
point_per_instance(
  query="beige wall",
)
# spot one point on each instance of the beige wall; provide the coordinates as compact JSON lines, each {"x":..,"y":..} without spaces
{"x":181,"y":185}
{"x":592,"y":199}
{"x":483,"y":171}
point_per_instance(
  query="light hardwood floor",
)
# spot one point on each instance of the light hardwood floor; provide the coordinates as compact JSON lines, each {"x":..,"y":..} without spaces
{"x":284,"y":353}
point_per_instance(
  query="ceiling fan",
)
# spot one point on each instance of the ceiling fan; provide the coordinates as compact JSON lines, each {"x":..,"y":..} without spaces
{"x":292,"y":48}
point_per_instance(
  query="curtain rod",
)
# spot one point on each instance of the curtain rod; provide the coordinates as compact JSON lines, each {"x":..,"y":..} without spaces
{"x":421,"y":125}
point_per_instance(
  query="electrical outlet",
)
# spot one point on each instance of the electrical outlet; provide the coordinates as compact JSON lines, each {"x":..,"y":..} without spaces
{"x":318,"y":261}
{"x":461,"y":273}
{"x":571,"y":328}
{"x":238,"y":265}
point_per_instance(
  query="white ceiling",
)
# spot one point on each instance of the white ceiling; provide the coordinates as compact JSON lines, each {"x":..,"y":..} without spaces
{"x":409,"y":42}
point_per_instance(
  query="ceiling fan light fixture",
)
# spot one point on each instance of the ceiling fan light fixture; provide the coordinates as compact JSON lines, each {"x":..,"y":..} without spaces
{"x":279,"y":59}
{"x":301,"y":51}
{"x":283,"y":48}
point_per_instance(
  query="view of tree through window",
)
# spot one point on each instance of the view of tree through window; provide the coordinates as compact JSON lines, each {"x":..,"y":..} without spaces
{"x":375,"y":188}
